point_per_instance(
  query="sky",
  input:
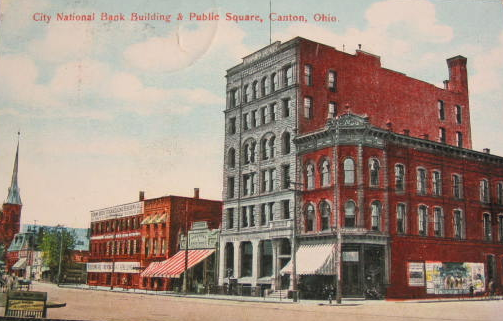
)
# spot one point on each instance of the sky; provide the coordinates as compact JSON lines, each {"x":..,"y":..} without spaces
{"x":109,"y":108}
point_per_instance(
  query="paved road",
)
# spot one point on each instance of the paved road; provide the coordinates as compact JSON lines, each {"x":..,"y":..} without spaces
{"x":104,"y":305}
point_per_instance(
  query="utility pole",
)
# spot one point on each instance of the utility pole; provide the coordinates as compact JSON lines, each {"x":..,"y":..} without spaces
{"x":186,"y":261}
{"x":60,"y":229}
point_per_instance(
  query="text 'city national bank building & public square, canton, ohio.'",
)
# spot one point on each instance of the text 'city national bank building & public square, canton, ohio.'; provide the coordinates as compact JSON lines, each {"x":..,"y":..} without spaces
{"x":373,"y":168}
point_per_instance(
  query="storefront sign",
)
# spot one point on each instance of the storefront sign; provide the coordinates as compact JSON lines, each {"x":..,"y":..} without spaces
{"x":120,"y":267}
{"x":454,"y":277}
{"x":261,"y":53}
{"x":119,"y":211}
{"x":26,"y":304}
{"x":350,"y":256}
{"x":200,"y":237}
{"x":415,"y":272}
{"x":116,"y":235}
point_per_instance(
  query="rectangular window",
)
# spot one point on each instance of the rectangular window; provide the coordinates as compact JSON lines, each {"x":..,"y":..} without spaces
{"x":308,"y":75}
{"x":254,"y":119}
{"x":230,"y":218}
{"x":286,"y":176}
{"x":458,"y":224}
{"x":437,"y":183}
{"x":251,"y":213}
{"x":232,"y":125}
{"x":439,"y":221}
{"x":399,"y":177}
{"x":458,"y":114}
{"x":230,"y":187}
{"x":286,"y":107}
{"x":263,"y":116}
{"x":244,"y":216}
{"x":332,"y":80}
{"x":487,"y":227}
{"x":499,"y":193}
{"x":263,"y":214}
{"x":459,"y":139}
{"x":286,"y":209}
{"x":484,"y":191}
{"x":265,"y":180}
{"x":271,"y":211}
{"x":500,"y":228}
{"x":400,"y":218}
{"x":421,"y":181}
{"x":457,"y":186}
{"x":248,"y":184}
{"x":441,"y":135}
{"x":423,"y":220}
{"x":332,"y":109}
{"x":288,"y":76}
{"x":308,"y":106}
{"x":272,"y":179}
{"x":441,"y":110}
{"x":272,"y":112}
{"x":246,"y":121}
{"x":234,"y":98}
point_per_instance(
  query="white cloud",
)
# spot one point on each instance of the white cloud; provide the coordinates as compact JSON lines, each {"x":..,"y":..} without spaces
{"x":488,"y":66}
{"x":17,"y":14}
{"x":184,"y":46}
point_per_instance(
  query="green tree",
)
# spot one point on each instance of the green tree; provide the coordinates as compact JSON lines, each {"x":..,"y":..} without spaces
{"x":54,"y":242}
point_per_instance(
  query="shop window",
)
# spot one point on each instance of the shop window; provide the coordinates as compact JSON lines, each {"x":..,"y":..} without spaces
{"x":285,"y":181}
{"x":266,"y":261}
{"x":308,"y":75}
{"x":288,"y":76}
{"x":310,"y":176}
{"x":349,"y":171}
{"x":487,"y":227}
{"x":437,"y":183}
{"x":400,"y":218}
{"x":438,"y":221}
{"x":246,"y":259}
{"x":286,"y":209}
{"x":441,"y":135}
{"x":325,"y":173}
{"x":421,"y":181}
{"x":458,"y":114}
{"x":399,"y":177}
{"x":332,"y":81}
{"x":229,"y":259}
{"x":422,"y":220}
{"x":457,"y":186}
{"x":310,"y":218}
{"x":484,"y":191}
{"x":376,"y":215}
{"x":231,"y":158}
{"x":441,"y":110}
{"x":275,"y":82}
{"x":308,"y":107}
{"x":374,"y":167}
{"x":332,"y":109}
{"x":230,"y":218}
{"x":350,"y":214}
{"x":325,"y":216}
{"x":459,"y":223}
{"x":459,"y":139}
{"x":230,"y":187}
{"x":286,"y":107}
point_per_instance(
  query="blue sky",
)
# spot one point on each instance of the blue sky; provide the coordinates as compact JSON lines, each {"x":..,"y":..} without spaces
{"x":107,"y":109}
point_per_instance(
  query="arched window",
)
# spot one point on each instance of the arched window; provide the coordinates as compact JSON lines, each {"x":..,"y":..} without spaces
{"x":271,"y":143}
{"x":350,"y":214}
{"x":286,"y":143}
{"x":231,"y":158}
{"x":349,"y":171}
{"x":255,"y":90}
{"x":275,"y":82}
{"x":264,"y":86}
{"x":422,"y":214}
{"x":376,"y":215}
{"x":310,"y":218}
{"x":288,"y":76}
{"x":374,"y":172}
{"x":267,"y":147}
{"x":399,"y":177}
{"x":310,"y":176}
{"x":325,"y":216}
{"x":247,"y":92}
{"x":325,"y":173}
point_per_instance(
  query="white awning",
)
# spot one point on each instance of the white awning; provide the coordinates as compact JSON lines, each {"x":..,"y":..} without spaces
{"x":20,"y":264}
{"x":314,"y":259}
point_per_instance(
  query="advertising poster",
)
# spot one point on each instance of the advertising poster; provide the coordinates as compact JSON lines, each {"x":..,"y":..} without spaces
{"x":285,"y":113}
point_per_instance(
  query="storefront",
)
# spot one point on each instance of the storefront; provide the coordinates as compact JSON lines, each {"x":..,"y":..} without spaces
{"x":124,"y":274}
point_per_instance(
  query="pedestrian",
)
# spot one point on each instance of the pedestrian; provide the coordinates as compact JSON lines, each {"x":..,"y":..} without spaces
{"x":491,"y":287}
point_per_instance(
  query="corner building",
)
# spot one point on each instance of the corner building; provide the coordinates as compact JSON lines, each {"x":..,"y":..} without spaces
{"x":353,"y":149}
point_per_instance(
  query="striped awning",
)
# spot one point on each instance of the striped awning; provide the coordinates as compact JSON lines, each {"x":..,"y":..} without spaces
{"x":20,"y":264}
{"x":174,"y":266}
{"x":314,"y":259}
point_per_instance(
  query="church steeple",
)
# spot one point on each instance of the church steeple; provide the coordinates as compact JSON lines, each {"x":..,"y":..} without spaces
{"x":14,"y":197}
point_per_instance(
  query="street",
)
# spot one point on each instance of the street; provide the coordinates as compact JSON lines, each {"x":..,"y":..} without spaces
{"x":104,"y":305}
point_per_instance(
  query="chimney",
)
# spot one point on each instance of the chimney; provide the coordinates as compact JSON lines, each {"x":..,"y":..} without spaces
{"x":359,"y":46}
{"x":446,"y":84}
{"x":142,"y":196}
{"x":196,"y":193}
{"x":487,"y":150}
{"x":458,"y":79}
{"x":406,"y":132}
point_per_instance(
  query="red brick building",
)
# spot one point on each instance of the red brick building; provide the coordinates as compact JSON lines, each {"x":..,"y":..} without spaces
{"x":137,"y":234}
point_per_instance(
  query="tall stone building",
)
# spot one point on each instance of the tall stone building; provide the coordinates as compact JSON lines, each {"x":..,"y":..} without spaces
{"x":374,"y":165}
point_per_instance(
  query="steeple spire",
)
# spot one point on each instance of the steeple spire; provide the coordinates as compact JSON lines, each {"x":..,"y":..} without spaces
{"x":14,"y":197}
